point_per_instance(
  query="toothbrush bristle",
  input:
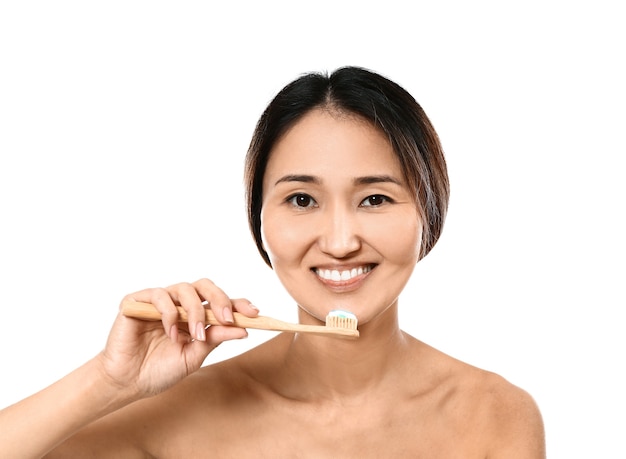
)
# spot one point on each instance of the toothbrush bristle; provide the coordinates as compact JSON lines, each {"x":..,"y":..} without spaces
{"x":341,"y":319}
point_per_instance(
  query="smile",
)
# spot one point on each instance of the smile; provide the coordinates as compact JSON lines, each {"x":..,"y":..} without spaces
{"x":341,"y":276}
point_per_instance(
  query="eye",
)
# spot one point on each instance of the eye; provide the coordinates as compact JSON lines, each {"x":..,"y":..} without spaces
{"x":301,"y":200}
{"x":375,"y":200}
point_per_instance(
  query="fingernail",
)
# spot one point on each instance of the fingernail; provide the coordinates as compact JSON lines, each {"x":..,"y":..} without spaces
{"x":200,"y":335}
{"x":251,"y":306}
{"x":228,"y":315}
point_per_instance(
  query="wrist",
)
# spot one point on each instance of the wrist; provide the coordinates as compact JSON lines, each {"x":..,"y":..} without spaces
{"x":115,"y":392}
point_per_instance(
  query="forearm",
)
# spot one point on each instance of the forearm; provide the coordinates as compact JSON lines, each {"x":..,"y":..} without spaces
{"x":35,"y":425}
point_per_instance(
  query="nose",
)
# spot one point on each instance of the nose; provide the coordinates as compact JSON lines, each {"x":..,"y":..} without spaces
{"x":339,"y":232}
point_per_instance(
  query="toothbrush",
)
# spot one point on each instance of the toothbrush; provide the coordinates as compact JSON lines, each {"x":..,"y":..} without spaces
{"x":340,"y":324}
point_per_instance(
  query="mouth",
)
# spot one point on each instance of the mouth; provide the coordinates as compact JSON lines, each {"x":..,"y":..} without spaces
{"x":343,"y":275}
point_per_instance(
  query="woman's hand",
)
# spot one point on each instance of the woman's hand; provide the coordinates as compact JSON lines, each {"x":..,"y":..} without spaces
{"x":139,"y":360}
{"x":145,"y":358}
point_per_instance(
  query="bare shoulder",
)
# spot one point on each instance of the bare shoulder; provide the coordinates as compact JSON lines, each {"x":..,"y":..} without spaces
{"x":505,"y":417}
{"x":220,"y":388}
{"x":512,"y":416}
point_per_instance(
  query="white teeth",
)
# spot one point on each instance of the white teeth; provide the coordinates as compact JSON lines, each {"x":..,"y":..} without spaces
{"x":336,"y":276}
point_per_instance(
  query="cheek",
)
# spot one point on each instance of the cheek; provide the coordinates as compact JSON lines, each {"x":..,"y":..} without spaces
{"x":400,"y":239}
{"x":283,"y":243}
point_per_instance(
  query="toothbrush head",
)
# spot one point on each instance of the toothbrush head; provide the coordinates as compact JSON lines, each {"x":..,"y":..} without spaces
{"x":341,"y":319}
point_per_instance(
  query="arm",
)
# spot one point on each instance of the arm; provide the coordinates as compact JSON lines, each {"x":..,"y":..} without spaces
{"x":139,"y":361}
{"x":37,"y":424}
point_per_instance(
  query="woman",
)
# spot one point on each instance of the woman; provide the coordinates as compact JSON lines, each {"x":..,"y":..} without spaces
{"x":347,"y":190}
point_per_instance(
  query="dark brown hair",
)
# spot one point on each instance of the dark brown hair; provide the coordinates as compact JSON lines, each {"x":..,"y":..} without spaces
{"x":370,"y":96}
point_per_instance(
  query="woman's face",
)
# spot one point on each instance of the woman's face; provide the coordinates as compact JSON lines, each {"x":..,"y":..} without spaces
{"x":338,"y":221}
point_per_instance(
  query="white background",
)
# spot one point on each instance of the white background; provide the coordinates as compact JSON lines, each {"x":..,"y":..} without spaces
{"x":123,"y":127}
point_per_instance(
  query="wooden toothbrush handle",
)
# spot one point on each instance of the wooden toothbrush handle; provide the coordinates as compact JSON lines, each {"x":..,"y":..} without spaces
{"x":147,"y":311}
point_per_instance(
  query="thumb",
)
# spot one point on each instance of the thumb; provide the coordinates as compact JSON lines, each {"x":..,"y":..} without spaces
{"x":197,"y":351}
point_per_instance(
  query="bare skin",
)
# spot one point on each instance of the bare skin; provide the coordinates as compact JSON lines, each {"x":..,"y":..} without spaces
{"x":403,"y":399}
{"x":333,"y":194}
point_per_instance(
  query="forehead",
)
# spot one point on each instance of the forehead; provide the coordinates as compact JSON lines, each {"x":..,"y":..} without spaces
{"x":331,"y":144}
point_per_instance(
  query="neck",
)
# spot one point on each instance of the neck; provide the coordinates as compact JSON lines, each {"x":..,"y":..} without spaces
{"x":326,"y":368}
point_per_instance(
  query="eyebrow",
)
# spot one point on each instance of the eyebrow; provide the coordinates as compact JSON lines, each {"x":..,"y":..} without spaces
{"x":366,"y":180}
{"x":298,"y":178}
{"x":370,"y":179}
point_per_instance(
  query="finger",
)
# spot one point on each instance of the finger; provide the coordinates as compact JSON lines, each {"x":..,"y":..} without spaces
{"x":162,"y":301}
{"x":245,"y":307}
{"x":217,"y":300}
{"x":186,"y":295}
{"x":197,"y":351}
{"x":217,"y":334}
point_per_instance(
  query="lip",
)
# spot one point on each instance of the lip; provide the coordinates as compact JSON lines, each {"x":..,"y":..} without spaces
{"x":343,"y":277}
